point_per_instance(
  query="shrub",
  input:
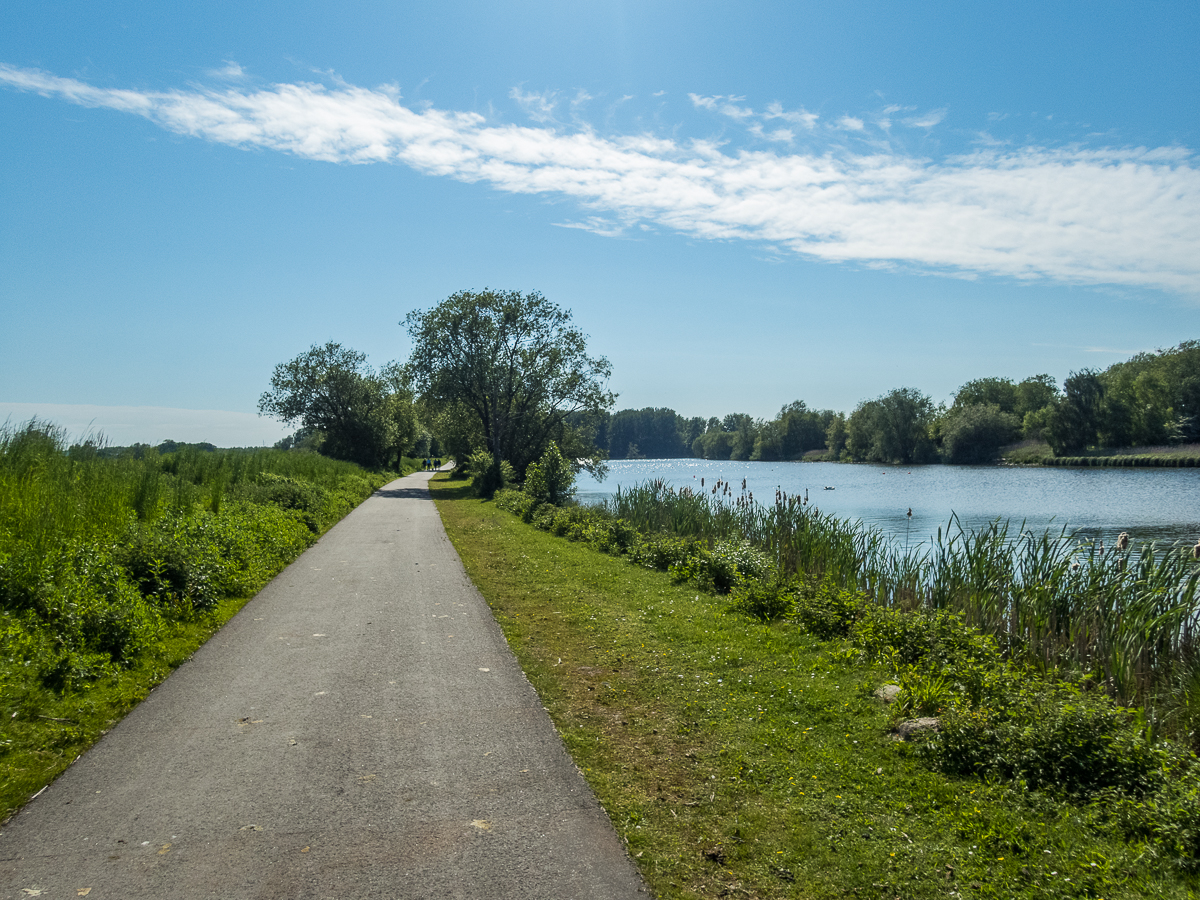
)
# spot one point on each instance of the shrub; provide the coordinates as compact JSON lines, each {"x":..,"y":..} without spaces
{"x":719,"y":569}
{"x":550,"y":479}
{"x":829,"y":611}
{"x":485,"y":479}
{"x":1056,"y":739}
{"x":516,"y":502}
{"x":660,"y":551}
{"x":933,"y":639}
{"x":764,"y":601}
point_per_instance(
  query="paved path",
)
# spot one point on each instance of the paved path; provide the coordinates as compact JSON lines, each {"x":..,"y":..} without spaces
{"x":360,"y":729}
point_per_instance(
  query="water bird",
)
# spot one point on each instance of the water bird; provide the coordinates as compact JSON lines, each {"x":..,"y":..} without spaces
{"x":828,"y":488}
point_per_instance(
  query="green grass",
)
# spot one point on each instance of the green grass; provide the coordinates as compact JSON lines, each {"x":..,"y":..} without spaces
{"x":742,"y":759}
{"x":114,"y":570}
{"x":49,"y":730}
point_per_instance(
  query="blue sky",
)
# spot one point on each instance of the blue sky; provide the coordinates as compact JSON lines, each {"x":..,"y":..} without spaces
{"x":742,"y":205}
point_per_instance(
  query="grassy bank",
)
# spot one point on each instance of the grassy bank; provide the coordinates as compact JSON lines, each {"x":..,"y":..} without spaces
{"x":114,"y":570}
{"x":1038,"y":453}
{"x":740,"y":758}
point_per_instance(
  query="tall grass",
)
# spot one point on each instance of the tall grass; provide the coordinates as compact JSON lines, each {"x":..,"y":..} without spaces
{"x":98,"y":554}
{"x":1125,"y":618}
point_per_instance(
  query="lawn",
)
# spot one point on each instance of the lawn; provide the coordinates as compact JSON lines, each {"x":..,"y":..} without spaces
{"x":737,"y":758}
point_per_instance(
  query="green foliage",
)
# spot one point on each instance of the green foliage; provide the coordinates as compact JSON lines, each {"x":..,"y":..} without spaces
{"x":98,"y":554}
{"x":486,"y":475}
{"x":829,"y":611}
{"x":893,"y":428}
{"x":656,"y":433}
{"x":974,"y":433}
{"x":660,"y":551}
{"x":515,"y":368}
{"x":1074,"y":422}
{"x":551,"y":479}
{"x":722,"y":568}
{"x":998,"y":392}
{"x":766,"y":601}
{"x":346,"y":409}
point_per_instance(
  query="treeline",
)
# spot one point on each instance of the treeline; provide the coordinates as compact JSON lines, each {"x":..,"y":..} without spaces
{"x":1152,"y":399}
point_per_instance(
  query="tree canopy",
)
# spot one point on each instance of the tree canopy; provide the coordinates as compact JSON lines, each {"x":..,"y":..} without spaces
{"x":516,"y":367}
{"x":352,"y":412}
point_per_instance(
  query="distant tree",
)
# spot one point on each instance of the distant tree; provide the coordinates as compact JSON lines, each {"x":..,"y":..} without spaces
{"x":835,"y":436}
{"x":975,"y":433}
{"x":999,"y":392}
{"x":1075,"y":420}
{"x":1034,"y":394}
{"x":655,"y":431}
{"x":690,"y":429}
{"x":768,"y":441}
{"x":894,"y":428}
{"x":516,"y":366}
{"x":339,"y":400}
{"x":715,"y":444}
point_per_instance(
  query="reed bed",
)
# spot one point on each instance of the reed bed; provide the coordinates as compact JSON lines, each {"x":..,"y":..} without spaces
{"x":1126,"y":618}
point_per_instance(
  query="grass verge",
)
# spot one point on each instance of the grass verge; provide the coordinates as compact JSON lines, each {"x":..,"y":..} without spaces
{"x":114,"y":571}
{"x":742,"y":759}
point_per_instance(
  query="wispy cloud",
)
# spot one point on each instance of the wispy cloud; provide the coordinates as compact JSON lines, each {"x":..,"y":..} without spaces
{"x":231,"y":71}
{"x":539,"y":107}
{"x":926,"y":120}
{"x":726,"y":106}
{"x":800,"y":117}
{"x":850,"y":123}
{"x":1075,"y":215}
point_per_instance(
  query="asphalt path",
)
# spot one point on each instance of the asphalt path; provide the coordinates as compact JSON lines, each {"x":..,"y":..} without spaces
{"x":360,"y":729}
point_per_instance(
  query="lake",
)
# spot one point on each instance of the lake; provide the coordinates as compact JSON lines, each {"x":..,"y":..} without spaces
{"x":1151,"y":504}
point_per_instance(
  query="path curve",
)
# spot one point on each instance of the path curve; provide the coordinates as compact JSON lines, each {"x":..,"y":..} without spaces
{"x":360,"y":729}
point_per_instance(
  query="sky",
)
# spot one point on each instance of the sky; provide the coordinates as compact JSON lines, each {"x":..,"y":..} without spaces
{"x":742,"y":205}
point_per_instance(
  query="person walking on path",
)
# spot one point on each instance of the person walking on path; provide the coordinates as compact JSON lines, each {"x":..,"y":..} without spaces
{"x":360,"y":729}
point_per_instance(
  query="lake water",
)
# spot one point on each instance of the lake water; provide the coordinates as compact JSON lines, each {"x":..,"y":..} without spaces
{"x":1150,"y":504}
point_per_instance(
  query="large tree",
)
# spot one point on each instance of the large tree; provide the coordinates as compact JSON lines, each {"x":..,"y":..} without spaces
{"x":894,"y":428}
{"x":354,"y":412}
{"x":517,"y":366}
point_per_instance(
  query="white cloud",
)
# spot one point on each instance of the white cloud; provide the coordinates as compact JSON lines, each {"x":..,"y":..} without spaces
{"x":927,"y":120}
{"x":725,"y":105}
{"x":539,"y":107}
{"x":779,"y":135}
{"x":231,"y":71}
{"x":849,"y":123}
{"x":800,"y":117}
{"x":1115,"y":216}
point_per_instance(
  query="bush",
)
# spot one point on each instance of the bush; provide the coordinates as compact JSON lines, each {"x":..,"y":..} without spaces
{"x":660,"y":551}
{"x":933,"y":639}
{"x":485,"y":479}
{"x":723,"y":567}
{"x":550,"y":479}
{"x":764,"y":601}
{"x":829,"y":611}
{"x":1056,"y":739}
